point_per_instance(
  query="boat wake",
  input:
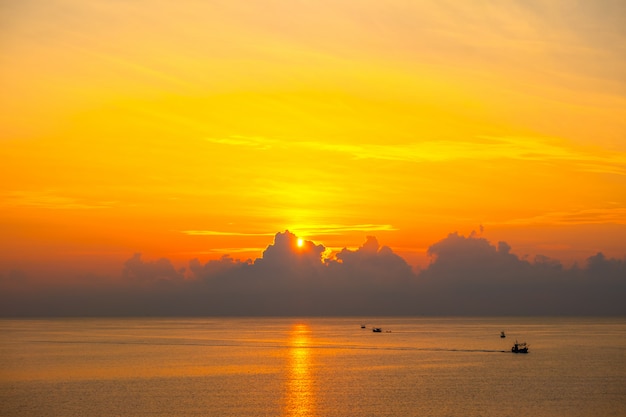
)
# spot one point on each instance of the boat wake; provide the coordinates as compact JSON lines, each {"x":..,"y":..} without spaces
{"x":261,"y":345}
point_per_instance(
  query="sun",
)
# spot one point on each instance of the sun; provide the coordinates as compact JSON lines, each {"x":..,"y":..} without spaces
{"x":300,"y":242}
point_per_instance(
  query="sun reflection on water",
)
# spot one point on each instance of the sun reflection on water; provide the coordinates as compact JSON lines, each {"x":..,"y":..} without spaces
{"x":300,"y":397}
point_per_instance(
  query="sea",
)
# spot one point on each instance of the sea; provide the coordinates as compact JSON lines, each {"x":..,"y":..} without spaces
{"x":294,"y":366}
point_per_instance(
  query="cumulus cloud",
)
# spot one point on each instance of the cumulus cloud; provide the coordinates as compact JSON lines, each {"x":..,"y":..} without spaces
{"x":286,"y":252}
{"x":162,"y":269}
{"x":294,"y":277}
{"x":466,"y":276}
{"x":472,"y":259}
{"x":373,"y":262}
{"x":215,"y":268}
{"x":469,"y":275}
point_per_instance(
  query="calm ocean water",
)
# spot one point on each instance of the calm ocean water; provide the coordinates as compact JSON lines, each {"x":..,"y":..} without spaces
{"x":312,"y":367}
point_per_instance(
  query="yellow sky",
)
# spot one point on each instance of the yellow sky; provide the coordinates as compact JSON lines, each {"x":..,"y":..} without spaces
{"x":193,"y":129}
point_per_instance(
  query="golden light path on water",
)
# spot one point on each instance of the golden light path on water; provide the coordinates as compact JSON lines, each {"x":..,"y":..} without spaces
{"x":300,"y":395}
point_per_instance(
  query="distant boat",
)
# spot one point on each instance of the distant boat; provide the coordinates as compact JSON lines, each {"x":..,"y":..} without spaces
{"x":362,"y":326}
{"x":502,"y":335}
{"x":519,"y":347}
{"x":377,"y":329}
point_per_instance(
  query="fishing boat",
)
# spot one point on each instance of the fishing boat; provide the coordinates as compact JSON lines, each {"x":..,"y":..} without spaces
{"x":377,"y":330}
{"x":502,"y":335}
{"x":519,"y":347}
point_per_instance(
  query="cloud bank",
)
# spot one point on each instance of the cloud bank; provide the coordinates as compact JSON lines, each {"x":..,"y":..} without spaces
{"x":466,"y":276}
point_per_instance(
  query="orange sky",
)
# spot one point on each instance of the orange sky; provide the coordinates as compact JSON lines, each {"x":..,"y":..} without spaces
{"x":198,"y":129}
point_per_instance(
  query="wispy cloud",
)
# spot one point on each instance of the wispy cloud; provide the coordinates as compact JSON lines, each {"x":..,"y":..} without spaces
{"x":304,"y":230}
{"x":49,"y":199}
{"x":225,"y":251}
{"x":332,"y":229}
{"x":478,"y":148}
{"x":246,"y":141}
{"x":222,"y":233}
{"x":615,"y":215}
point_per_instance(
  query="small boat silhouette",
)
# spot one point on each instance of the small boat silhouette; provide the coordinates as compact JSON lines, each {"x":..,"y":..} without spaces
{"x":519,"y":347}
{"x":502,"y":335}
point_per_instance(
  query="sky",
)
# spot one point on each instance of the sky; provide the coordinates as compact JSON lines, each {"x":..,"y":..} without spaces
{"x":198,"y":131}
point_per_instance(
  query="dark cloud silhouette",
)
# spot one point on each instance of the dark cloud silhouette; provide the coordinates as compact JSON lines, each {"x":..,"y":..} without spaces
{"x":373,"y":262}
{"x":137,"y":269}
{"x":471,"y":276}
{"x":215,"y":268}
{"x":292,"y":279}
{"x":466,"y":276}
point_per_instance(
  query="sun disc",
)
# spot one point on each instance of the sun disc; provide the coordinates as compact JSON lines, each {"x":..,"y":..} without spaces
{"x":300,"y":242}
